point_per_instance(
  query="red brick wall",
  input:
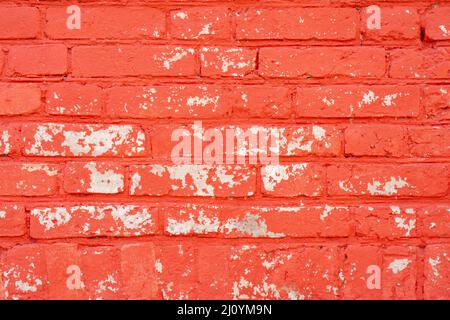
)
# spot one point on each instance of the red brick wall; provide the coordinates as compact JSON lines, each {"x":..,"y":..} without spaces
{"x":88,"y":183}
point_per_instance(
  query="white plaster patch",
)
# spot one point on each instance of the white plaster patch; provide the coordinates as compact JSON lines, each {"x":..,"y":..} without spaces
{"x":399,"y":265}
{"x":33,"y":167}
{"x":107,"y":182}
{"x":200,"y":225}
{"x":275,"y":174}
{"x":387,"y":188}
{"x":199,"y":175}
{"x":251,"y":224}
{"x":52,"y":217}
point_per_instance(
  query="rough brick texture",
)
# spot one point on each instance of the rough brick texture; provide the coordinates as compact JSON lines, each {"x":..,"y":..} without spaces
{"x":98,"y":201}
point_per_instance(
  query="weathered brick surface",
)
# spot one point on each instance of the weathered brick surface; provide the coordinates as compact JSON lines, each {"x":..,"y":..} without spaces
{"x":224,"y":150}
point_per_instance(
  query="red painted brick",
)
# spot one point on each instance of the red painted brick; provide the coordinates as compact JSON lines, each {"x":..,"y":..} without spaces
{"x":9,"y":139}
{"x":107,"y":22}
{"x":397,"y":141}
{"x":44,"y":271}
{"x":387,"y":180}
{"x":200,"y":23}
{"x":284,"y":62}
{"x":436,"y":100}
{"x":437,"y":272}
{"x":420,"y":64}
{"x":2,"y":61}
{"x":284,"y":272}
{"x":138,"y":270}
{"x":358,"y":178}
{"x":214,"y":275}
{"x":319,"y":140}
{"x":28,"y":179}
{"x":19,"y":22}
{"x":12,"y":220}
{"x":181,"y":101}
{"x":61,"y":259}
{"x":18,"y":98}
{"x":193,"y":180}
{"x":357,"y":101}
{"x":227,"y":62}
{"x":400,"y":273}
{"x":24,"y":273}
{"x":90,"y":220}
{"x":101,"y":267}
{"x":297,"y":23}
{"x":435,"y":220}
{"x":262,"y":101}
{"x":291,"y":180}
{"x":35,"y":60}
{"x":437,"y":25}
{"x":257,"y":221}
{"x":397,"y":266}
{"x":73,"y":99}
{"x":397,"y":24}
{"x":77,"y":140}
{"x":133,"y":60}
{"x":177,"y":272}
{"x":386,"y":222}
{"x":93,"y":177}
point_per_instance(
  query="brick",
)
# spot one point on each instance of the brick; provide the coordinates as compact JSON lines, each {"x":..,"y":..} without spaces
{"x":24,"y":273}
{"x":387,"y":180}
{"x":283,"y":62}
{"x":397,"y":24}
{"x":73,"y":99}
{"x":29,"y":179}
{"x":396,"y":141}
{"x":227,"y":62}
{"x":400,"y":273}
{"x":12,"y":220}
{"x":291,"y":180}
{"x":257,"y":221}
{"x":436,"y":101}
{"x":284,"y":272}
{"x":200,"y":23}
{"x":297,"y":23}
{"x":355,"y":275}
{"x":88,"y":220}
{"x":397,"y":266}
{"x":261,"y":101}
{"x":214,"y":275}
{"x":181,"y":101}
{"x":193,"y":180}
{"x":36,"y":60}
{"x":437,"y":25}
{"x":357,"y":101}
{"x":78,"y":140}
{"x":245,"y":144}
{"x":19,"y":22}
{"x":9,"y":139}
{"x":138,"y":268}
{"x":133,"y":60}
{"x":2,"y":61}
{"x":435,"y":220}
{"x":101,"y":267}
{"x":18,"y":98}
{"x":63,"y":264}
{"x":420,"y":64}
{"x":177,"y":272}
{"x":386,"y":222}
{"x":47,"y":271}
{"x":437,"y":272}
{"x":94,"y":177}
{"x":107,"y":22}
